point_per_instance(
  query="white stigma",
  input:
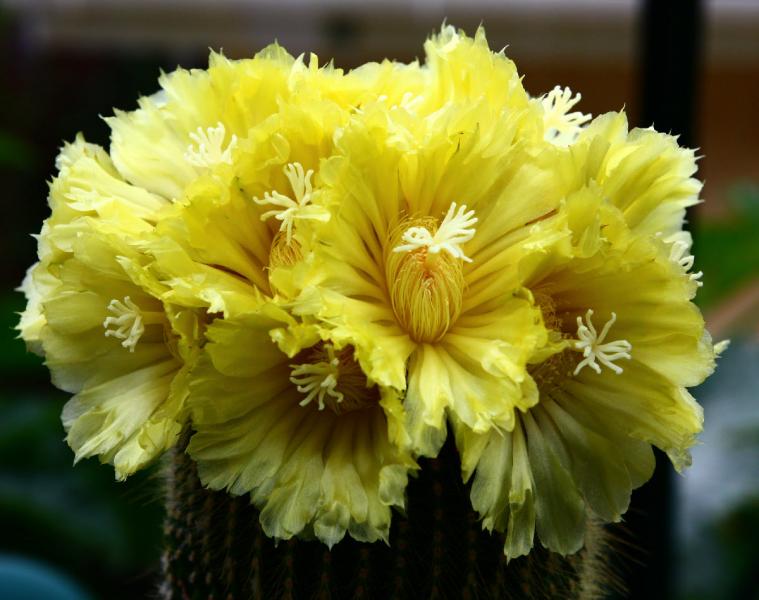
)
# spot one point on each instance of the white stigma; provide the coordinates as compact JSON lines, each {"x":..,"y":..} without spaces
{"x":456,"y":229}
{"x":208,"y":149}
{"x":593,"y":348}
{"x":124,"y":322}
{"x":562,"y":126}
{"x":317,"y":380}
{"x":679,"y":253}
{"x":288,"y":210}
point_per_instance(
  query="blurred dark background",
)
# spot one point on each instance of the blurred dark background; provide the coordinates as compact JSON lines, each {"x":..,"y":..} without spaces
{"x":688,"y":67}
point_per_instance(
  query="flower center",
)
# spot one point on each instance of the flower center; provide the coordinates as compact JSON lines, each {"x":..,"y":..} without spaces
{"x":593,"y":347}
{"x":334,"y":379}
{"x":425,"y":278}
{"x":126,"y":321}
{"x":208,"y":149}
{"x":286,"y":210}
{"x":562,"y":126}
{"x":590,"y":343}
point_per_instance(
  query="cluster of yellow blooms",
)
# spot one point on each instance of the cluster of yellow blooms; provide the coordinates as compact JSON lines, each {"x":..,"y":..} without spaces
{"x":323,"y":273}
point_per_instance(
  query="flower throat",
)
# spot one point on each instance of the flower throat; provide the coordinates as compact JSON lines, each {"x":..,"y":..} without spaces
{"x":333,"y":379}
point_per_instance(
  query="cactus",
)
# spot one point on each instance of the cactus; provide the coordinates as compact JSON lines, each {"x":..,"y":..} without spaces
{"x":215,"y":549}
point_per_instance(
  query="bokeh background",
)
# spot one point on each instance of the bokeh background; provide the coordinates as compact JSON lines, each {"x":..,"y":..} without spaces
{"x":691,"y":68}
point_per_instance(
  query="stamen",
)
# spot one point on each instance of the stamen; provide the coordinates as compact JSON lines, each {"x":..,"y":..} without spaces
{"x":561,"y":126}
{"x":283,"y":253}
{"x":127,"y":322}
{"x":209,"y":147}
{"x":678,"y":253}
{"x":288,"y":209}
{"x":590,"y":343}
{"x":456,"y":229}
{"x":318,"y":380}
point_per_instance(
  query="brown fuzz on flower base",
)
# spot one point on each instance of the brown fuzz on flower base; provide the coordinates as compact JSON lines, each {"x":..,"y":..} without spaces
{"x":554,"y":370}
{"x":214,"y":548}
{"x":426,"y":289}
{"x":545,"y":302}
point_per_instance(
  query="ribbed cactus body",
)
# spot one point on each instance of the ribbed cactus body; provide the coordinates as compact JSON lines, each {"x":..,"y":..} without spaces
{"x":215,"y":549}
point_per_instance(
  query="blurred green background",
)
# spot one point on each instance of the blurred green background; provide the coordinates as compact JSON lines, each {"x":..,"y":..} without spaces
{"x":64,"y":63}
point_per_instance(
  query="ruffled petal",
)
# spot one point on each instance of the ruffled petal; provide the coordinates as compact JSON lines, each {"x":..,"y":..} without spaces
{"x":644,"y":173}
{"x":439,"y":383}
{"x":466,"y":69}
{"x":654,"y":409}
{"x":113,"y":419}
{"x":38,"y":284}
{"x":88,"y":183}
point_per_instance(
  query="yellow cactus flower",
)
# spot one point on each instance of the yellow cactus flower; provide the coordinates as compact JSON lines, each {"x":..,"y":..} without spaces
{"x":94,"y":316}
{"x":110,"y":342}
{"x":306,"y":434}
{"x":409,"y":264}
{"x":317,"y":272}
{"x":625,"y":343}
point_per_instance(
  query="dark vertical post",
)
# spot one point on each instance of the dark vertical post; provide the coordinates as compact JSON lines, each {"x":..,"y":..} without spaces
{"x":671,"y":61}
{"x":671,"y":39}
